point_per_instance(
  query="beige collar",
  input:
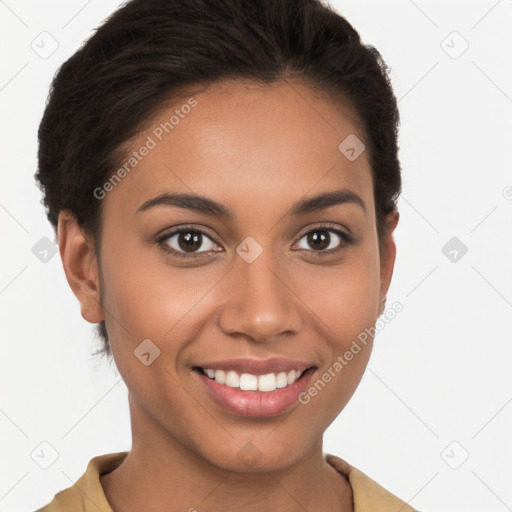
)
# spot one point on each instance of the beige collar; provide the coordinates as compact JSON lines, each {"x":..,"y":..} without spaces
{"x":87,"y":495}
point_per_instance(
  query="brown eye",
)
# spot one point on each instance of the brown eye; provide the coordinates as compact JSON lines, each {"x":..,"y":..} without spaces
{"x":324,"y":240}
{"x":319,"y":239}
{"x":187,"y":242}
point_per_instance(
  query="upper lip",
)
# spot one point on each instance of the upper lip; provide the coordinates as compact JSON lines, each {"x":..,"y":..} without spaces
{"x":258,"y":366}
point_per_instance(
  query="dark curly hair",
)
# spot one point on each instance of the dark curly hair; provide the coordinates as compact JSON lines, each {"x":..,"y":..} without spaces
{"x":148,"y":53}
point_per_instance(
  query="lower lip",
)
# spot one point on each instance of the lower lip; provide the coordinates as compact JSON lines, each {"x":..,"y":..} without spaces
{"x":255,"y":404}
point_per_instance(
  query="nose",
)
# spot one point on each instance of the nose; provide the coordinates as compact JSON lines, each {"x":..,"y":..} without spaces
{"x":260,"y":301}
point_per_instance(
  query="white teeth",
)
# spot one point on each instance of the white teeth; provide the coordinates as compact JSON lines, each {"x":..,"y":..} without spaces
{"x":220,"y":376}
{"x":232,"y":379}
{"x":267,"y":382}
{"x":249,"y":382}
{"x":281,"y":380}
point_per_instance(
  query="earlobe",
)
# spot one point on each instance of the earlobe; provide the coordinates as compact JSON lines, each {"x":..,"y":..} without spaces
{"x":387,"y":256}
{"x":80,"y":266}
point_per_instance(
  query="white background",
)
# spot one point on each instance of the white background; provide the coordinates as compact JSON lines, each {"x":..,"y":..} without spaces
{"x":440,"y":371}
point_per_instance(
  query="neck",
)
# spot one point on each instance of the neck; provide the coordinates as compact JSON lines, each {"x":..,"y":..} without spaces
{"x":159,"y":466}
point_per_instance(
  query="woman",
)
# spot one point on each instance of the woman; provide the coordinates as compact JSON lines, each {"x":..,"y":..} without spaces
{"x":222,"y":177}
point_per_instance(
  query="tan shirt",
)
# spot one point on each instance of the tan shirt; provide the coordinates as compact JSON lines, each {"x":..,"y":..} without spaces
{"x":87,"y":495}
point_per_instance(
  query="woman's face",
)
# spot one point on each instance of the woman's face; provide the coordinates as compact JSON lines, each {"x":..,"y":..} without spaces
{"x":250,"y":286}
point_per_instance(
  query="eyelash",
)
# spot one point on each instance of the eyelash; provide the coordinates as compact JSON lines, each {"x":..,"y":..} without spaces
{"x":347,"y":239}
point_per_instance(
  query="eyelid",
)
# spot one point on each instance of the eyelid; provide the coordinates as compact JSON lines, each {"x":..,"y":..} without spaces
{"x":328,"y":226}
{"x":160,"y":239}
{"x":343,"y":233}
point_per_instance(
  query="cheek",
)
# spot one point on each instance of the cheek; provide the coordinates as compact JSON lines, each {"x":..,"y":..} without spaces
{"x":146,"y":298}
{"x":140,"y":292}
{"x":344,"y":299}
{"x":345,"y":305}
{"x":333,"y":386}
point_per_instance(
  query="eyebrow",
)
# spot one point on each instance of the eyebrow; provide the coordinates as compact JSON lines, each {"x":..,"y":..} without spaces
{"x":208,"y":206}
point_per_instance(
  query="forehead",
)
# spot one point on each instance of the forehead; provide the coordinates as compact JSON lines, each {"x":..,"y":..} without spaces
{"x":236,"y":141}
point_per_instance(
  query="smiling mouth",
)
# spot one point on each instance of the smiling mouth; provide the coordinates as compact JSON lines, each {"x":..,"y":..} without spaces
{"x":255,"y":387}
{"x":251,"y":382}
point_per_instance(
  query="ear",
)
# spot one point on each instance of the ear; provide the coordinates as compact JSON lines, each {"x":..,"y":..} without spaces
{"x":80,"y":266}
{"x":387,"y":255}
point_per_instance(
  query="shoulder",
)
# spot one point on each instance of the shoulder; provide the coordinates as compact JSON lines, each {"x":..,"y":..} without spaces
{"x":369,"y":496}
{"x":86,"y":494}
